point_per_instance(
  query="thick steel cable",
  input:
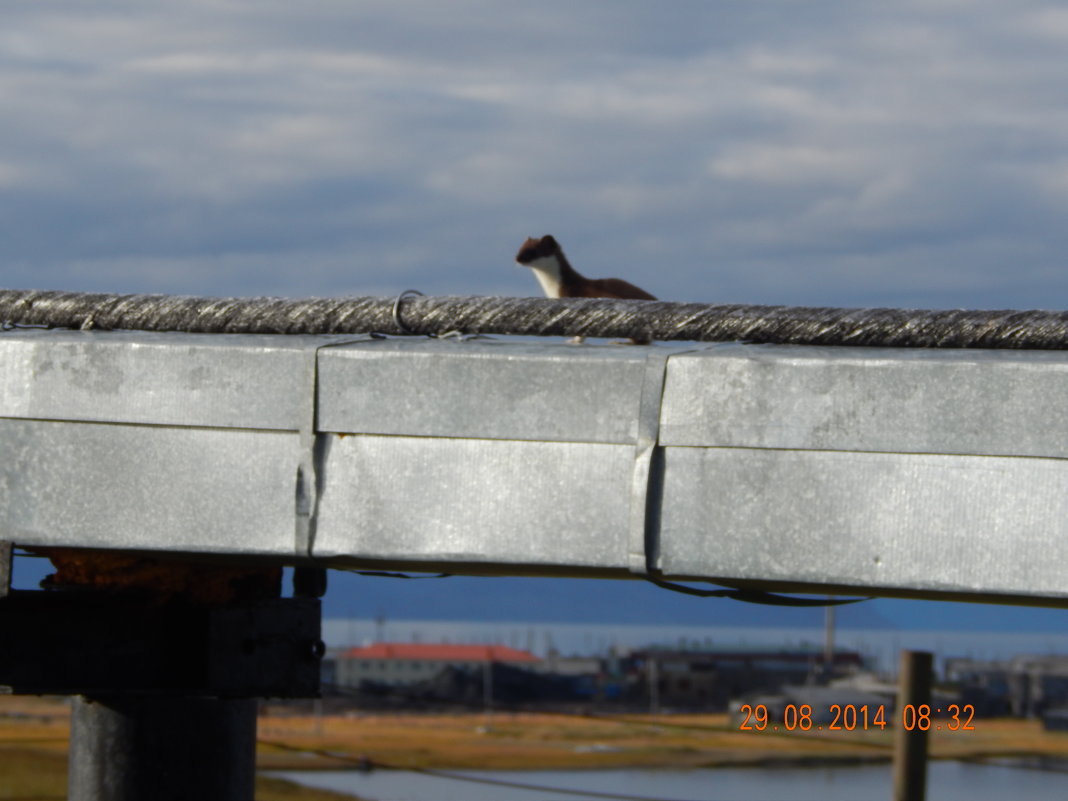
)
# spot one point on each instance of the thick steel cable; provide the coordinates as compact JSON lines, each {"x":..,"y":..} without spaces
{"x":595,"y":317}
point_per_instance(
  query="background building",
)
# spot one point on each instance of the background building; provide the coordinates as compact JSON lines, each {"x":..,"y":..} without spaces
{"x":397,"y":664}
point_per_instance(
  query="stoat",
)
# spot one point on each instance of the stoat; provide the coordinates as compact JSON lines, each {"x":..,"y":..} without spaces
{"x":560,"y":280}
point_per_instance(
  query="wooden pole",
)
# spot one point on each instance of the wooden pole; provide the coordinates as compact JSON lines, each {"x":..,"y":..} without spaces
{"x":653,"y":675}
{"x":487,"y":686}
{"x":828,"y":642}
{"x":913,"y":720}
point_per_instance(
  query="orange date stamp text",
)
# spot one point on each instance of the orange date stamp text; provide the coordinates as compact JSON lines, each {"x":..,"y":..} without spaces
{"x":853,"y":717}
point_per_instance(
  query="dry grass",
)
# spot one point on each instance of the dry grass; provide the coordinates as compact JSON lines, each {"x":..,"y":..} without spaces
{"x":532,"y":741}
{"x":34,"y":735}
{"x":34,"y":732}
{"x":27,"y":774}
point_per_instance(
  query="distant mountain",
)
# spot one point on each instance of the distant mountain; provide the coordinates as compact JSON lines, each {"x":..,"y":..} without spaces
{"x":547,"y":600}
{"x":638,"y":602}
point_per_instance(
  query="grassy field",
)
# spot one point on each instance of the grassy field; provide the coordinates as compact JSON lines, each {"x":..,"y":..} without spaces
{"x":34,"y":732}
{"x":534,"y":741}
{"x":30,"y":774}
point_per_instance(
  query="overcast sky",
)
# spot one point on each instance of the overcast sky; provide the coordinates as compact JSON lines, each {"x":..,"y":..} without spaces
{"x":827,"y":153}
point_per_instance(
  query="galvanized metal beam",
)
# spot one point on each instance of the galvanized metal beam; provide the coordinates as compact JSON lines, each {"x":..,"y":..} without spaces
{"x":922,"y":473}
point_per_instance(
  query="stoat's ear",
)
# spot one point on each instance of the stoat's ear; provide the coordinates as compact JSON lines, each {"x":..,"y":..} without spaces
{"x":548,"y":239}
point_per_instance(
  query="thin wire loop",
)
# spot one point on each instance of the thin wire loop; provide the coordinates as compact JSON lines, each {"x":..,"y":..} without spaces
{"x":397,"y":310}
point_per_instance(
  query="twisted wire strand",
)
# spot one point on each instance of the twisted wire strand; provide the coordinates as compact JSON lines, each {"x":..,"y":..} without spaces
{"x":592,"y":317}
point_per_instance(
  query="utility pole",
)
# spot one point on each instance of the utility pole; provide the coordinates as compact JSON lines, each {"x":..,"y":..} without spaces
{"x":828,"y":641}
{"x":652,"y":673}
{"x":487,"y":682}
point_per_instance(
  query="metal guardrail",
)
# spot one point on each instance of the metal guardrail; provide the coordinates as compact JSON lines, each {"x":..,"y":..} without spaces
{"x":921,"y":473}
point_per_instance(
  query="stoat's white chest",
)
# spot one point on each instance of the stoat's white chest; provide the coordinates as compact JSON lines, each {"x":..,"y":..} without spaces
{"x":547,"y":271}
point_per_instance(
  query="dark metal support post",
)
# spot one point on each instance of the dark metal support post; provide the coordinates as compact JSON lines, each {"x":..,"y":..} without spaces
{"x":165,"y":707}
{"x":910,"y":736}
{"x":129,"y":747}
{"x":5,"y":567}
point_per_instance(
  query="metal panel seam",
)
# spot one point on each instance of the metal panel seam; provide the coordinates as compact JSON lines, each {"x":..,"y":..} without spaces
{"x":643,"y":550}
{"x":306,"y":502}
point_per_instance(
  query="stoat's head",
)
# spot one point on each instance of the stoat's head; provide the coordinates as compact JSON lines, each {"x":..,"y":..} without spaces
{"x":536,"y":249}
{"x":545,"y":258}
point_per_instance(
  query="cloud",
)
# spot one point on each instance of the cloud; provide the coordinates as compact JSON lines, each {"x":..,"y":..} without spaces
{"x":783,"y":152}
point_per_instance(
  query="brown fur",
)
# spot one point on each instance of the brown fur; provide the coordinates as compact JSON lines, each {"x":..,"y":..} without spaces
{"x":573,"y":283}
{"x":611,"y":288}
